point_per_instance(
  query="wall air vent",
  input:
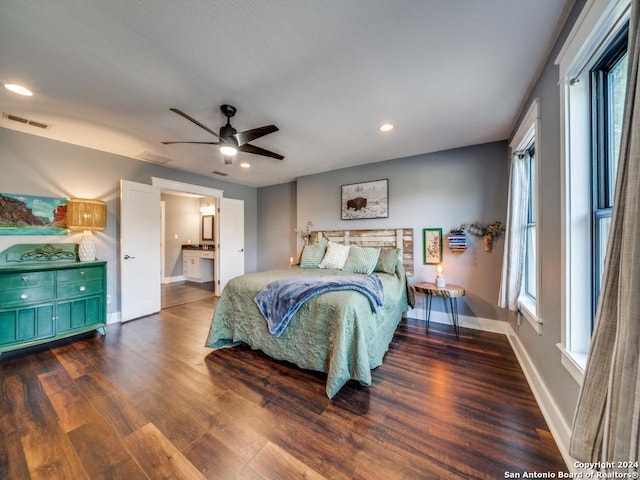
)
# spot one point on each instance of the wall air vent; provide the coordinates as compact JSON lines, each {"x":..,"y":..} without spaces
{"x":154,"y":157}
{"x":25,"y":121}
{"x":222,"y":174}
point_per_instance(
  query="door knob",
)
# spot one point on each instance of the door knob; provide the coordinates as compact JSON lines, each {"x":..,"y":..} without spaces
{"x":127,"y":257}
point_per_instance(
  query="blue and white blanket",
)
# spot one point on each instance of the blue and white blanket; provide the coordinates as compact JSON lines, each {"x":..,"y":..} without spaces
{"x":280,"y":300}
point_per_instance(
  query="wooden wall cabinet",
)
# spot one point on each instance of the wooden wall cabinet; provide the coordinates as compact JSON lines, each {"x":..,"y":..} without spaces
{"x":45,"y":301}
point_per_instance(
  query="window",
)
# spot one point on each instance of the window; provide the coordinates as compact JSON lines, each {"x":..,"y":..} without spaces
{"x":522,"y":221}
{"x":608,"y":85}
{"x":529,"y":282}
{"x":592,"y":66}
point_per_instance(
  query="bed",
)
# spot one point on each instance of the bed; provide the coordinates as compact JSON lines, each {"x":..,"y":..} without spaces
{"x":337,"y":332}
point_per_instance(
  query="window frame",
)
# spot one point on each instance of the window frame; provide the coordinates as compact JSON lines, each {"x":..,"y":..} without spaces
{"x":528,"y":133}
{"x":531,"y":223}
{"x":593,"y":31}
{"x":603,"y":185}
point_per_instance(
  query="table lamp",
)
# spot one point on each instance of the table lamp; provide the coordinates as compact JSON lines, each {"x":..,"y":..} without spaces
{"x":440,"y":280}
{"x":87,"y":216}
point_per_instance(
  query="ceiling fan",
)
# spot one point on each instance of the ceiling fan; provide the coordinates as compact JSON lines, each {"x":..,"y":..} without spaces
{"x":230,"y":140}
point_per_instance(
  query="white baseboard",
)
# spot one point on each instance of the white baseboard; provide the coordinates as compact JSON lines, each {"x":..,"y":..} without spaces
{"x":559,"y":428}
{"x":114,"y":317}
{"x":179,"y":278}
{"x":477,"y":323}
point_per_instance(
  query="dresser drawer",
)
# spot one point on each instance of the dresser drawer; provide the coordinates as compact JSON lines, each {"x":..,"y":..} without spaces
{"x":23,"y":296}
{"x":26,"y":279}
{"x":84,"y":288}
{"x":76,"y":275}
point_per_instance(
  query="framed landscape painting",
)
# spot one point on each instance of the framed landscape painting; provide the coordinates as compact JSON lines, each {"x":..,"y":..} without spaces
{"x":432,"y":242}
{"x":32,"y":215}
{"x":365,"y":200}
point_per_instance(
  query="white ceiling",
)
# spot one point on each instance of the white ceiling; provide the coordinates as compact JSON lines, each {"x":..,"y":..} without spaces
{"x":446,"y":73}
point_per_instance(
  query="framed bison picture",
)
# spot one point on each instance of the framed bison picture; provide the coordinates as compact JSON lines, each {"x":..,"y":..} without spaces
{"x":365,"y":200}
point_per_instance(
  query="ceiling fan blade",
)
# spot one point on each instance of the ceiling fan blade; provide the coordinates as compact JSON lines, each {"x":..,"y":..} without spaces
{"x":199,"y":143}
{"x":191,"y":119}
{"x":247,"y":148}
{"x":250,"y":135}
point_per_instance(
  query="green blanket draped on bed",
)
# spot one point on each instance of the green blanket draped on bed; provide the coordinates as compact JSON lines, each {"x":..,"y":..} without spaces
{"x":335,"y":332}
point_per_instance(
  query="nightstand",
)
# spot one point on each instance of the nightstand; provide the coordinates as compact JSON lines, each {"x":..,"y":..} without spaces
{"x":452,"y":292}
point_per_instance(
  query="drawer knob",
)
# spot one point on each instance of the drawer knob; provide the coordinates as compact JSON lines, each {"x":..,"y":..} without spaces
{"x":25,"y":278}
{"x":82,"y":274}
{"x":82,"y":288}
{"x":24,"y":296}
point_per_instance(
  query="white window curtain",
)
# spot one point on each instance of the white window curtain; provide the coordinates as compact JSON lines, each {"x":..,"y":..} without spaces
{"x":516,"y":231}
{"x":606,"y":425}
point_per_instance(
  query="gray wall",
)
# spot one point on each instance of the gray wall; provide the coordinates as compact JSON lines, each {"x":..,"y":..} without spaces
{"x":276,"y":225}
{"x":33,"y":165}
{"x":182,"y":220}
{"x":437,"y":190}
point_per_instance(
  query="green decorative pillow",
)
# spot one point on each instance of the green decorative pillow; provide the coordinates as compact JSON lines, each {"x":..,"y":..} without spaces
{"x":388,"y":260}
{"x":312,"y":255}
{"x":361,"y":259}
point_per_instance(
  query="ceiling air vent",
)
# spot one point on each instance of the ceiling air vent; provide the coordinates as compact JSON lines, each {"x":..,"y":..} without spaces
{"x":222,"y":174}
{"x":25,"y":121}
{"x":154,"y":157}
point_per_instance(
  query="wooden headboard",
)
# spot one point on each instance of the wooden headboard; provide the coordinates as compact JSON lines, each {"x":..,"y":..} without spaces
{"x":386,"y":237}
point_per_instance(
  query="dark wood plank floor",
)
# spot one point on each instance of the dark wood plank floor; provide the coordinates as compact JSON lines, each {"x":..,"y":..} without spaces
{"x":148,"y":400}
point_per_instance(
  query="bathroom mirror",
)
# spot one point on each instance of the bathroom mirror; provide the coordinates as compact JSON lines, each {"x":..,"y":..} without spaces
{"x":207,"y":227}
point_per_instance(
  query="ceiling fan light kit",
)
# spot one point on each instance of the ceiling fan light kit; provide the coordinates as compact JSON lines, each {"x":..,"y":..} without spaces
{"x":229,"y":140}
{"x":228,"y":150}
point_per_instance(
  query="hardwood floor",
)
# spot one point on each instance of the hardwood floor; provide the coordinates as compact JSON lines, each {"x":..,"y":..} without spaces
{"x":148,"y":400}
{"x":177,"y":293}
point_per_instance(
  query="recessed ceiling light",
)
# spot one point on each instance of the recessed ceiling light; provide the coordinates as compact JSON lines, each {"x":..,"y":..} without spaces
{"x":385,"y":127}
{"x":19,"y":89}
{"x":245,"y":165}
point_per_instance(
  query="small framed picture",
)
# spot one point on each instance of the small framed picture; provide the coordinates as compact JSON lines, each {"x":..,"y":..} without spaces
{"x":432,"y":243}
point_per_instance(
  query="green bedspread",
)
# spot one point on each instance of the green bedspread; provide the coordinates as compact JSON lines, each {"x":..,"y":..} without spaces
{"x":335,"y":332}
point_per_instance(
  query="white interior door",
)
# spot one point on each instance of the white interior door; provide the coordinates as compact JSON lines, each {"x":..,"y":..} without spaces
{"x":139,"y":250}
{"x":231,"y":244}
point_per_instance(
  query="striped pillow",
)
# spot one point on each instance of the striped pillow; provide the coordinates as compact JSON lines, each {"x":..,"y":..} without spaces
{"x":361,"y":259}
{"x":335,"y":257}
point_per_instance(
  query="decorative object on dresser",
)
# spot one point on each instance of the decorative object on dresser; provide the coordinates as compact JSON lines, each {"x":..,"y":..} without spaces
{"x":46,"y":294}
{"x":365,"y":200}
{"x":432,"y":244}
{"x":87,"y":216}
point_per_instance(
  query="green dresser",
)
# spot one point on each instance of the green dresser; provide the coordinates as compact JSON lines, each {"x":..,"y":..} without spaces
{"x":46,"y":294}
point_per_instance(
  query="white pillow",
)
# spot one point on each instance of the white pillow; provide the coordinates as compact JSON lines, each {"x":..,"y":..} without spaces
{"x":335,"y":257}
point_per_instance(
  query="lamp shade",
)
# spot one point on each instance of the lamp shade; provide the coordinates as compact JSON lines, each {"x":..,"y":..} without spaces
{"x":86,"y":215}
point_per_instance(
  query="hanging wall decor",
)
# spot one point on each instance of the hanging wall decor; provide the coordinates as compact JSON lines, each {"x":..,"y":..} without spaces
{"x":457,"y":241}
{"x":365,"y":200}
{"x":432,"y":243}
{"x":32,"y":215}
